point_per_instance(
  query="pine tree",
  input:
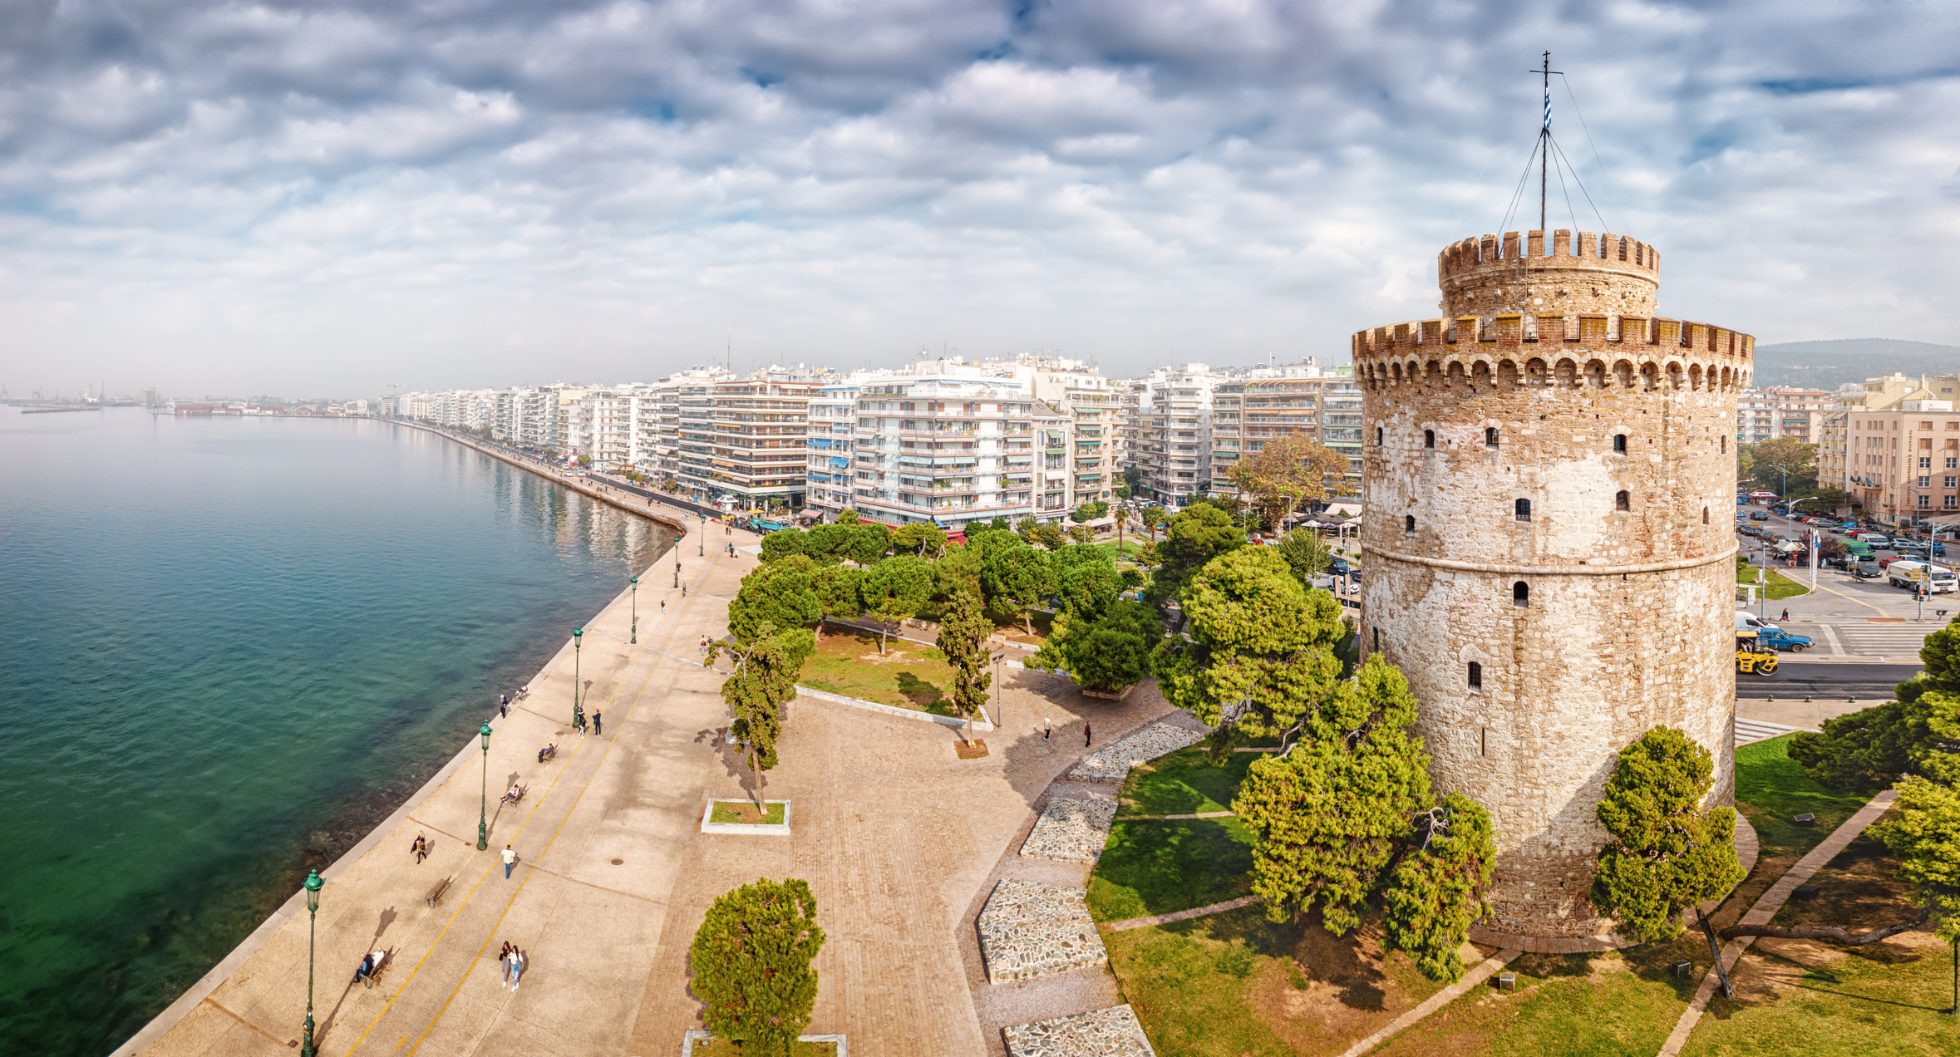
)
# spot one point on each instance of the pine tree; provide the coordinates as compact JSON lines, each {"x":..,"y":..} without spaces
{"x":963,"y":631}
{"x":1668,"y":852}
{"x":1436,"y":892}
{"x":764,"y":680}
{"x":894,"y":590}
{"x":1329,"y":813}
{"x":753,"y":965}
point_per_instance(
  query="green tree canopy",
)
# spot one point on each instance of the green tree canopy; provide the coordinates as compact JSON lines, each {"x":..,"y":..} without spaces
{"x":1869,"y":749}
{"x":848,"y":516}
{"x":1104,"y":652}
{"x":1040,"y":533}
{"x":781,"y":594}
{"x":1773,"y":461}
{"x":1087,"y":587}
{"x":867,"y":543}
{"x":777,"y":545}
{"x":1195,"y":536}
{"x":764,"y":680}
{"x":1092,"y":510}
{"x":963,"y":633}
{"x":829,"y":543}
{"x":1668,"y":853}
{"x":1285,"y":472}
{"x":1257,"y":652}
{"x":920,"y":538}
{"x":1436,"y":891}
{"x":1306,"y":554}
{"x":839,"y":591}
{"x":1014,"y":577}
{"x":1153,"y":518}
{"x":753,"y":965}
{"x":1329,"y":812}
{"x":895,"y":590}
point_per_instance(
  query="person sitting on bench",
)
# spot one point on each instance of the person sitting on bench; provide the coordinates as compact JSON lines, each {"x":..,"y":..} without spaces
{"x":516,"y":793}
{"x":548,"y":752}
{"x":370,"y":965}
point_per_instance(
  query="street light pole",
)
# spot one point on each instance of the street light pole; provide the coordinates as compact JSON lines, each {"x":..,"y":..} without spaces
{"x":313,"y":885}
{"x":635,"y":581}
{"x":578,"y":634}
{"x":483,"y":795}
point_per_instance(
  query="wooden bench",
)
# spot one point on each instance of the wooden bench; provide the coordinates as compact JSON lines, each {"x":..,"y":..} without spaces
{"x":435,"y":894}
{"x":388,"y":958}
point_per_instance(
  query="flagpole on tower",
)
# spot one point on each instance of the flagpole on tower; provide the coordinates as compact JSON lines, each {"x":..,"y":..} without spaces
{"x":1545,"y":135}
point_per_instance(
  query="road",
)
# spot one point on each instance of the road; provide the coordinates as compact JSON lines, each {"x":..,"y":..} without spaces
{"x":1839,"y":680}
{"x":1848,"y":617}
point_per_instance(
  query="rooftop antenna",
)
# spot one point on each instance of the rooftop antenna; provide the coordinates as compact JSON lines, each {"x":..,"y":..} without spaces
{"x":1545,"y":73}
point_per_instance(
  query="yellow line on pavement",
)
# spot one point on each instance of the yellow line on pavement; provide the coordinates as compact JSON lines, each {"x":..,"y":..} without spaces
{"x":528,"y":874}
{"x":464,"y":903}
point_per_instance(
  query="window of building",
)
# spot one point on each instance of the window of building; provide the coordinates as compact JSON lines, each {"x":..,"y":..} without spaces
{"x":1950,"y":501}
{"x":1952,"y":481}
{"x":1621,"y":501}
{"x":1490,"y":437}
{"x":1620,"y":443}
{"x":1428,"y":438}
{"x":1925,"y":501}
{"x":1409,"y":525}
{"x":1476,"y":678}
{"x":1925,"y":481}
{"x":1925,"y":463}
{"x":1522,"y":509}
{"x":1521,"y":594}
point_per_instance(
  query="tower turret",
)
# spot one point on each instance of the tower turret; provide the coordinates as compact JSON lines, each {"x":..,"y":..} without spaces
{"x":1547,"y":481}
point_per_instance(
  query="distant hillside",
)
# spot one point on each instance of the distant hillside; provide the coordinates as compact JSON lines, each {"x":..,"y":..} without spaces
{"x":1829,"y":364}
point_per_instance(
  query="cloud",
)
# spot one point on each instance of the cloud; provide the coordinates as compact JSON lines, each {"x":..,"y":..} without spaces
{"x":332,"y":198}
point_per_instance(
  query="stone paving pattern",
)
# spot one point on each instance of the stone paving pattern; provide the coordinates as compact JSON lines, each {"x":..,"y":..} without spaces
{"x":1072,"y":830}
{"x":1113,"y":762}
{"x":1112,"y":1032}
{"x":1030,"y":928}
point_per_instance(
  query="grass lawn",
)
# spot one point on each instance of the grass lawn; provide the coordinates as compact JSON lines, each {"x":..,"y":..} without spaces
{"x":1603,"y":1005}
{"x":1770,"y":789}
{"x":1799,"y":999}
{"x":1779,"y":586}
{"x":1017,"y":631}
{"x":907,"y":675}
{"x":744,"y":813}
{"x":1237,"y":985}
{"x":1185,"y":782}
{"x":1153,"y":867}
{"x":1132,"y":546}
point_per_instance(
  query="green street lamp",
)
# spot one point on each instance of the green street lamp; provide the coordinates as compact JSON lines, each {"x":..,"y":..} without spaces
{"x":578,"y":634}
{"x":313,"y":885}
{"x":483,"y":803}
{"x":635,"y":581}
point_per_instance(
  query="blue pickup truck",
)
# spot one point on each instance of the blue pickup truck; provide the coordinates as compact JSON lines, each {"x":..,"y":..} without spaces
{"x":1778,"y":639}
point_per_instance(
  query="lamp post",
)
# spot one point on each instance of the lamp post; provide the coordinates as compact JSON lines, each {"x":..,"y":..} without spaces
{"x":635,"y":581}
{"x":1000,"y":714}
{"x":483,"y":801}
{"x":701,"y":540}
{"x":313,"y":885}
{"x":578,"y":634}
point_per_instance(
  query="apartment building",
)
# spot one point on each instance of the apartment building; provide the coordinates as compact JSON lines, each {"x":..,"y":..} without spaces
{"x":1256,"y":406}
{"x":1782,"y":411}
{"x":743,"y":442}
{"x":1096,"y":445}
{"x":1891,"y":392}
{"x":1903,"y":463}
{"x":1171,"y":446}
{"x":833,"y":420}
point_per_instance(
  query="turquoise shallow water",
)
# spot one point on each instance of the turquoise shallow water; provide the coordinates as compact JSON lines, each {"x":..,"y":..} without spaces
{"x":227,"y":648}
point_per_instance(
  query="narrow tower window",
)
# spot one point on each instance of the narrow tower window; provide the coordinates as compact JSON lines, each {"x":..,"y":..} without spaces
{"x":1725,"y":445}
{"x":1704,"y":515}
{"x":1521,"y":594}
{"x":1378,"y":640}
{"x":1620,"y":500}
{"x":1523,"y":509}
{"x":1428,"y":438}
{"x":1409,"y":525}
{"x":1490,"y":437}
{"x":1378,"y":436}
{"x":1620,"y":443}
{"x":1476,"y":678}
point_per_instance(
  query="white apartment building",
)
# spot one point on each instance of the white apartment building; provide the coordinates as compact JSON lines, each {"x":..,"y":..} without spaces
{"x":1782,"y":411}
{"x":1252,"y":407}
{"x":833,"y":419}
{"x":1172,"y":443}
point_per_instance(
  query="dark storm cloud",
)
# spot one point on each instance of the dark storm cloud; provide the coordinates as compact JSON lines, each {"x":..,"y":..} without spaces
{"x":463,"y":190}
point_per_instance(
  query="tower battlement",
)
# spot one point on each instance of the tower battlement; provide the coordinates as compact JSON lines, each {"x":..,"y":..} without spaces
{"x":1593,"y":348}
{"x":1527,"y":272}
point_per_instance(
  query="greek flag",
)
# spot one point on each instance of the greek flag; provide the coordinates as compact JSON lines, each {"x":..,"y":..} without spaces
{"x":1548,"y":110}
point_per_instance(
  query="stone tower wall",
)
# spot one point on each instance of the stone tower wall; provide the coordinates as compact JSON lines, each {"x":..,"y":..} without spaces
{"x":1605,"y":274}
{"x":1627,"y":620}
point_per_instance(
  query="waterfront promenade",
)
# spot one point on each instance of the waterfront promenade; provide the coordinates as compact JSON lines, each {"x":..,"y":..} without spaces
{"x":895,"y":835}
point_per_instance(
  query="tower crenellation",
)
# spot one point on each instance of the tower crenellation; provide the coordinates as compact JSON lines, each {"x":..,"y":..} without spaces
{"x":1547,"y":475}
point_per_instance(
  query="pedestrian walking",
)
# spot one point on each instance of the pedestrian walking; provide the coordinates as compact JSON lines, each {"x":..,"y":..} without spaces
{"x":684,"y":593}
{"x":510,"y":860}
{"x":1088,"y":735}
{"x":503,"y":707}
{"x":598,"y":722}
{"x":1047,"y":728}
{"x":503,"y":966}
{"x":1786,"y":613}
{"x":663,"y":607}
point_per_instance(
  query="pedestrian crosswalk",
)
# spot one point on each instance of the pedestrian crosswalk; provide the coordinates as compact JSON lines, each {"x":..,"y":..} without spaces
{"x":1753,"y":730}
{"x":1875,"y":640}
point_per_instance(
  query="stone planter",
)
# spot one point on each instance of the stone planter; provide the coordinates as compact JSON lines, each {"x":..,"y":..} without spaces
{"x":691,"y":1043}
{"x":745,"y":829}
{"x":1109,"y":695}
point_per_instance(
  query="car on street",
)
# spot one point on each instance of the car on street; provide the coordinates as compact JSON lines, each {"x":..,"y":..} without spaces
{"x":1758,"y":515}
{"x":1875,"y":540}
{"x":1780,"y":640}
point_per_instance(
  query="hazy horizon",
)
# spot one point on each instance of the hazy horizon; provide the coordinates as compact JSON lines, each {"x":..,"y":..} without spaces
{"x":284,"y":198}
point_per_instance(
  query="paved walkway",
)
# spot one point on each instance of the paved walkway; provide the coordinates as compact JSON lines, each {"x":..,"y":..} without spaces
{"x":1766,"y":907}
{"x":1149,"y":920}
{"x":1482,"y":971}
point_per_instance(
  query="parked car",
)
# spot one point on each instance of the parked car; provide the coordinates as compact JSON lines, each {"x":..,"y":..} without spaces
{"x":1875,"y":539}
{"x":1758,"y":515}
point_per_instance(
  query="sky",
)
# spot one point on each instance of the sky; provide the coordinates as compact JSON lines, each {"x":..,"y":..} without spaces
{"x":328,"y":199}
